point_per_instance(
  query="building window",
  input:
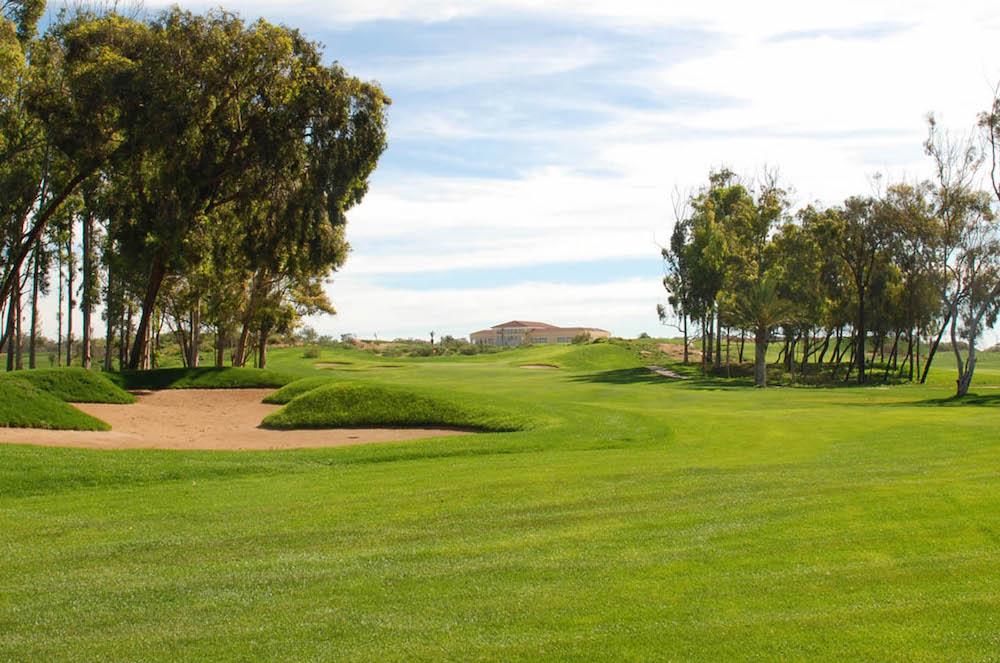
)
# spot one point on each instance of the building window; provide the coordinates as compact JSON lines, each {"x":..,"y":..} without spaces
{"x":564,"y":339}
{"x":540,"y":339}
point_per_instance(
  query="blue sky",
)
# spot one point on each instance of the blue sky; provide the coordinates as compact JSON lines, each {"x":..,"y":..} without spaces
{"x":534,"y":148}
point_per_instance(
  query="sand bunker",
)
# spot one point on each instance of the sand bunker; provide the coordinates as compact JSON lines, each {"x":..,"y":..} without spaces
{"x":538,"y":367}
{"x":220,"y":419}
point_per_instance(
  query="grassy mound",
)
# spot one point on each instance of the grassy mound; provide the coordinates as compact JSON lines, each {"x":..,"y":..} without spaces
{"x":596,"y":357}
{"x":76,"y":385}
{"x":23,"y":405}
{"x":299,"y":387}
{"x":344,"y":405}
{"x":201,"y":378}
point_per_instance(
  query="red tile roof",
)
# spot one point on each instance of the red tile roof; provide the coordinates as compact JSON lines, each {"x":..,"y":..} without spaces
{"x":525,"y":323}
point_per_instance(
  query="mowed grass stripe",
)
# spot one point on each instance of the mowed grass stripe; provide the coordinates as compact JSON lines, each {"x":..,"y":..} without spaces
{"x":646,"y":520}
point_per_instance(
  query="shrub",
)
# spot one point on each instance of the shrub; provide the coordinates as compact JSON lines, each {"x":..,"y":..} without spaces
{"x":582,"y":338}
{"x":311,"y":353}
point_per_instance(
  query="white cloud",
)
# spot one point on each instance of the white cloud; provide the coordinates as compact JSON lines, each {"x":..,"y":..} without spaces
{"x":623,"y":307}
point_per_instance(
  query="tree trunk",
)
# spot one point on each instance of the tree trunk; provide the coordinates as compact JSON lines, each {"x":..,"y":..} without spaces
{"x":195,"y":347}
{"x":59,"y":311}
{"x":33,"y":337}
{"x":729,"y":372}
{"x":859,"y":346}
{"x":157,"y":271}
{"x":685,"y":338}
{"x":718,"y":338}
{"x":966,"y":368}
{"x":262,"y":363}
{"x":16,"y":341}
{"x":88,"y":285}
{"x":760,"y":358}
{"x":892,"y":357}
{"x":743,"y":339}
{"x":9,"y":334}
{"x":934,"y":347}
{"x":35,"y":234}
{"x":109,"y":317}
{"x":805,"y":355}
{"x":710,"y":341}
{"x":69,"y":295}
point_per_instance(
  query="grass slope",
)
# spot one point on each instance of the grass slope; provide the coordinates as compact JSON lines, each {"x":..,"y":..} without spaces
{"x":23,"y":405}
{"x":299,"y":387}
{"x":201,"y":378}
{"x":358,"y":405}
{"x":648,"y":519}
{"x":76,"y":385}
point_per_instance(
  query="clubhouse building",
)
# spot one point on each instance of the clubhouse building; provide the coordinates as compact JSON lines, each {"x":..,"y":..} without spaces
{"x":522,"y":332}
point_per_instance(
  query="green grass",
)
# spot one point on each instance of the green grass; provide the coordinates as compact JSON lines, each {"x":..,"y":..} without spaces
{"x":358,"y":405}
{"x":299,"y":387}
{"x":76,"y":385}
{"x":23,"y":405}
{"x":640,"y":519}
{"x":201,"y":378}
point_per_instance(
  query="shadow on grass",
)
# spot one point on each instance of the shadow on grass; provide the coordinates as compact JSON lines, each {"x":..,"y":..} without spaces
{"x":643,"y":375}
{"x":974,"y":400}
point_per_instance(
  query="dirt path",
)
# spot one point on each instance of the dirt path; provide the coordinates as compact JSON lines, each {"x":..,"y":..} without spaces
{"x":220,"y":419}
{"x":666,"y":372}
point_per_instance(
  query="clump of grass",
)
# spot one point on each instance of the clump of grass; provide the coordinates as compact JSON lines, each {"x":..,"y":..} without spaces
{"x":76,"y":385}
{"x":23,"y":405}
{"x":299,"y":387}
{"x":213,"y":377}
{"x":344,"y":405}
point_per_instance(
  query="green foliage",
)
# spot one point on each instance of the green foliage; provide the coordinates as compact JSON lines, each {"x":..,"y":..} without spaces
{"x":23,"y":405}
{"x":200,"y":378}
{"x":357,"y":405}
{"x":76,"y":385}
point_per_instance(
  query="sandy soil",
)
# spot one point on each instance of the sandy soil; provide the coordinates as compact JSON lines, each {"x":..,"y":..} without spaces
{"x":675,"y":351}
{"x":538,"y":367}
{"x":221,"y":419}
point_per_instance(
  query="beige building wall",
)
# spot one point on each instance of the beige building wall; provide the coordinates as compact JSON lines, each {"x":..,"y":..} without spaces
{"x":520,"y":333}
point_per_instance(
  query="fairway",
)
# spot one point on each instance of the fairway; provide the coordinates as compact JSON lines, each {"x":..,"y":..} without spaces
{"x":638,"y":518}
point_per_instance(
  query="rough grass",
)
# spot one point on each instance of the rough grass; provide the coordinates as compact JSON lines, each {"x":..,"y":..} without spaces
{"x":358,"y":405}
{"x":299,"y":387}
{"x":76,"y":385}
{"x":23,"y":405}
{"x":201,"y":378}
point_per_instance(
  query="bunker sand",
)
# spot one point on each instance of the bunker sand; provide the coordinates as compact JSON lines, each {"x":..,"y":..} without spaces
{"x":217,"y":419}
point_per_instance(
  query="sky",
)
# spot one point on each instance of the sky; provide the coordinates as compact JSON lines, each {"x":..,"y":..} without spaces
{"x":535,"y":148}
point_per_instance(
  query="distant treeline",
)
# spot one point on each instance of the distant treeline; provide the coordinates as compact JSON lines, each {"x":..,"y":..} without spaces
{"x":843,"y":284}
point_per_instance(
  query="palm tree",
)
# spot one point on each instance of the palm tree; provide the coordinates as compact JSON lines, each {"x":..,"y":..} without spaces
{"x":762,"y":309}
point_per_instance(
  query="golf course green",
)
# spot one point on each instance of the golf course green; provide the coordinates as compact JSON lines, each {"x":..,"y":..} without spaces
{"x":626,"y":517}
